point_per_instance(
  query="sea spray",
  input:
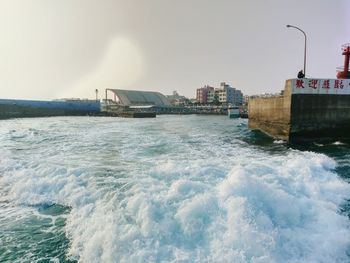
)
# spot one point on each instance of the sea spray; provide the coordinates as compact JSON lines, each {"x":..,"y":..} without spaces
{"x":170,"y":189}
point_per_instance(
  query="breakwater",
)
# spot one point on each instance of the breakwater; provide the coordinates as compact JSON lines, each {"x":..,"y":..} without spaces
{"x":36,"y":108}
{"x":308,"y":109}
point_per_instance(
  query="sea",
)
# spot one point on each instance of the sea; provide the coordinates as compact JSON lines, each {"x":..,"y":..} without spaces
{"x":176,"y":188}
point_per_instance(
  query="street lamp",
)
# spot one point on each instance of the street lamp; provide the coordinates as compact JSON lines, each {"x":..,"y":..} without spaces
{"x":96,"y":91}
{"x":304,"y":46}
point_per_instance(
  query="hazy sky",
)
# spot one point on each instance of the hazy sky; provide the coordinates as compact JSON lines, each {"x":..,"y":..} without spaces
{"x":67,"y":48}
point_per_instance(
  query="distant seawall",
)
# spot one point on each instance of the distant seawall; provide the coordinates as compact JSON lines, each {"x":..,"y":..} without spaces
{"x":308,"y":109}
{"x":35,"y":108}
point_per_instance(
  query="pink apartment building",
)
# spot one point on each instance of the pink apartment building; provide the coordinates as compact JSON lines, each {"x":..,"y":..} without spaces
{"x":202,"y":94}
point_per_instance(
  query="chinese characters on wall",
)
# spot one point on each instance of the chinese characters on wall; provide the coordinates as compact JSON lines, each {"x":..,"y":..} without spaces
{"x":321,"y":86}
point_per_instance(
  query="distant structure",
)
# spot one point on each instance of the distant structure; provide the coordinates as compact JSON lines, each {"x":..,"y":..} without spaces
{"x":343,"y":72}
{"x":12,"y":108}
{"x":177,"y":100}
{"x":224,"y":95}
{"x":202,"y":94}
{"x":245,"y":99}
{"x":96,"y":92}
{"x":138,"y":98}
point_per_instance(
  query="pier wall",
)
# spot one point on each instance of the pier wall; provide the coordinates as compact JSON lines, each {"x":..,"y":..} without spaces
{"x":323,"y":116}
{"x":31,"y":108}
{"x":271,"y":115}
{"x":308,"y":109}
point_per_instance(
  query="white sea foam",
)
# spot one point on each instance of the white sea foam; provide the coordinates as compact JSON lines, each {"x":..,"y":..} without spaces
{"x":339,"y":143}
{"x":189,"y":202}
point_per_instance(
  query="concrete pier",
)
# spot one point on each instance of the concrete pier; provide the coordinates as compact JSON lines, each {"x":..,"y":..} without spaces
{"x":308,"y":109}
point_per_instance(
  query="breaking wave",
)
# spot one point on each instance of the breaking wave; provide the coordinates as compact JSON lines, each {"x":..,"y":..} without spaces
{"x":172,"y":189}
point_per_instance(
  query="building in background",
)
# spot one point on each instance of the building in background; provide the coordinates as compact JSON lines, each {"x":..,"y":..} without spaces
{"x":245,"y":99}
{"x":137,"y":98}
{"x":177,"y":100}
{"x":223,"y":95}
{"x":202,"y":94}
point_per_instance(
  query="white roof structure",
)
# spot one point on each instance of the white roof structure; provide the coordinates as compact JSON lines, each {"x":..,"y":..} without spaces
{"x":140,"y":98}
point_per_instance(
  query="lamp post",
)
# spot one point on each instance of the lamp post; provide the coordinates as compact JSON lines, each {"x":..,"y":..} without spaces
{"x":304,"y":46}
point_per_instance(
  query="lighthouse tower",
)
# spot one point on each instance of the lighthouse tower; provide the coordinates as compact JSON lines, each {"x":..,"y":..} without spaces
{"x":343,"y":72}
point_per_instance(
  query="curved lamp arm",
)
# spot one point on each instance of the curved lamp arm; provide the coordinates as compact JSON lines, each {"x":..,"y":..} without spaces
{"x":304,"y":45}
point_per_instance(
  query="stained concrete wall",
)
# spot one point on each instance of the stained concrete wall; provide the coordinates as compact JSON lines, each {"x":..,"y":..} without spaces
{"x":271,"y":115}
{"x":295,"y":117}
{"x":320,"y":116}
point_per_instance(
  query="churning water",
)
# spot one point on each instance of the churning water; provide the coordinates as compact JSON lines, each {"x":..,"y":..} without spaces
{"x":169,"y":189}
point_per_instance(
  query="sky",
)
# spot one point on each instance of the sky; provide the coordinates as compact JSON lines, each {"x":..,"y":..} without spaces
{"x":52,"y":49}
